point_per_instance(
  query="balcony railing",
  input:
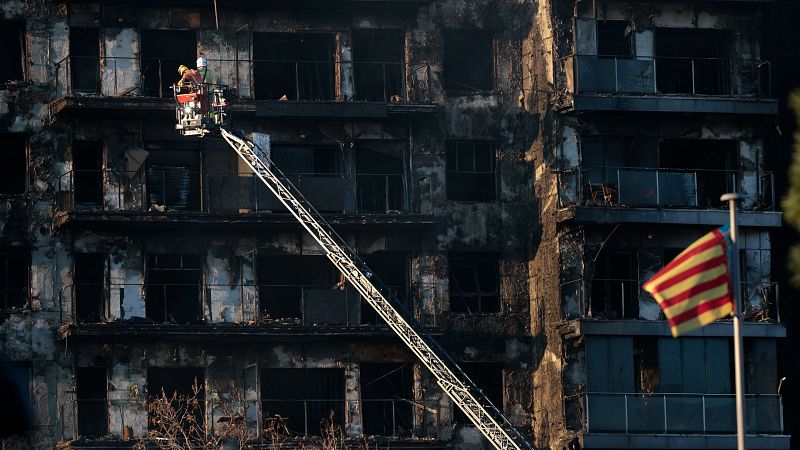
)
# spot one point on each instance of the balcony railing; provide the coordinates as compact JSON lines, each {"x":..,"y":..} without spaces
{"x":163,"y":189}
{"x":656,"y":413}
{"x":722,"y":77}
{"x":673,"y":188}
{"x":618,"y":298}
{"x":117,"y":76}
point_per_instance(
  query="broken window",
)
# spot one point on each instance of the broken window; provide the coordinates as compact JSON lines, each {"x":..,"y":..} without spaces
{"x":604,"y":161}
{"x":378,"y":70}
{"x":89,"y":278}
{"x":12,"y":35}
{"x":173,"y":288}
{"x":474,"y":282}
{"x":645,"y":364}
{"x":468,"y":61}
{"x":87,"y":167}
{"x":693,"y":61}
{"x":470,"y":171}
{"x":84,"y":57}
{"x":387,"y":394}
{"x":15,"y":265}
{"x":299,"y":66}
{"x":181,"y":386}
{"x":392,"y":269}
{"x":162,"y":52}
{"x":379,"y":180}
{"x":316,"y":171}
{"x":307,"y":287}
{"x":173,"y":179}
{"x":13,"y":164}
{"x":614,"y":39}
{"x":306,"y":399}
{"x":709,"y":168}
{"x":15,"y":380}
{"x":91,"y":396}
{"x":615,"y":287}
{"x":487,"y":376}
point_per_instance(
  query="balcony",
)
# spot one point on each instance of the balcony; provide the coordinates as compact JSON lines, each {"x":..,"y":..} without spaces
{"x":171,"y":196}
{"x":669,"y":84}
{"x":140,"y":87}
{"x":657,"y":195}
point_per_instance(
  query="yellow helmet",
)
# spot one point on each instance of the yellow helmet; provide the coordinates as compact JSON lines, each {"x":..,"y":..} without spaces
{"x":182,"y":68}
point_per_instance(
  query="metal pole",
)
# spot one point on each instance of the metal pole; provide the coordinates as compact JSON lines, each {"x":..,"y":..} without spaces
{"x":732,"y":198}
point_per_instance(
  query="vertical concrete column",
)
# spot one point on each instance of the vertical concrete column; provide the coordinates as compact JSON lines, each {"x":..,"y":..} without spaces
{"x":352,"y":396}
{"x":345,"y":63}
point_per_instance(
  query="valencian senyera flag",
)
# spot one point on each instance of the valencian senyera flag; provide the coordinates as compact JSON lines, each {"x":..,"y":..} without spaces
{"x":694,"y":289}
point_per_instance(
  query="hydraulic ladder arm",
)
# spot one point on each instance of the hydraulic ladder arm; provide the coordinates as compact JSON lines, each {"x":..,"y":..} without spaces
{"x":472,"y":401}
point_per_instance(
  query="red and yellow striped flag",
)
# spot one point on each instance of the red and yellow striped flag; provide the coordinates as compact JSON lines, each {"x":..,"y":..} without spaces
{"x":694,"y":289}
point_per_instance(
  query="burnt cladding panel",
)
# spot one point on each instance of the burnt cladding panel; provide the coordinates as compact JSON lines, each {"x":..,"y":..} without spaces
{"x":162,"y":52}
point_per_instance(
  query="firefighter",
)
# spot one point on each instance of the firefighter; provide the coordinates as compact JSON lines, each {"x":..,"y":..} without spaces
{"x":188,"y":76}
{"x":203,"y":72}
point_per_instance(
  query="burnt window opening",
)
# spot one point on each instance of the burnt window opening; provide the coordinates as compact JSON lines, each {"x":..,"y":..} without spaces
{"x":173,"y":288}
{"x":13,"y":164}
{"x":387,"y":396}
{"x":15,"y":263}
{"x":615,"y":286}
{"x":603,"y":159}
{"x":474,"y":282}
{"x":15,"y":380}
{"x":645,"y":364}
{"x":306,"y":288}
{"x":87,"y":169}
{"x":468,"y":62}
{"x":392,"y":269}
{"x":378,"y":69}
{"x":470,"y":171}
{"x":709,"y":166}
{"x":91,"y":397}
{"x":299,"y":66}
{"x":173,"y":179}
{"x":488,"y":377}
{"x":162,"y":52}
{"x":89,"y":279}
{"x":180,"y":386}
{"x":12,"y":35}
{"x":84,"y":59}
{"x":380,"y":185}
{"x":693,"y":61}
{"x":316,"y":171}
{"x":306,"y":399}
{"x":614,"y":38}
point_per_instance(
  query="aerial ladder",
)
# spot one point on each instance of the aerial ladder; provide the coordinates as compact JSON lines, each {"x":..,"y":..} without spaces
{"x":200,"y":111}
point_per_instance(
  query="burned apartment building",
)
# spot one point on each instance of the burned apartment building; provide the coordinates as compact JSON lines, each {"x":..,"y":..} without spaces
{"x":136,"y":261}
{"x":649,"y":110}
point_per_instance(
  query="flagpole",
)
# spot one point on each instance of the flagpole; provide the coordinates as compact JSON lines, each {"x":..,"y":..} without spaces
{"x":737,"y":317}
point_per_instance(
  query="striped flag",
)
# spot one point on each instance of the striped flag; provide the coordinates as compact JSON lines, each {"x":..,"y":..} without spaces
{"x":694,"y":289}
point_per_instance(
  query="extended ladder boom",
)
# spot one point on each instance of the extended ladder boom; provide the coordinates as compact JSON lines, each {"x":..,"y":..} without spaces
{"x":472,"y":401}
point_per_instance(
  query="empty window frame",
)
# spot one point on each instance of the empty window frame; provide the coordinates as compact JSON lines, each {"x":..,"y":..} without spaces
{"x":162,"y":52}
{"x":13,"y":164}
{"x":84,"y":59}
{"x":15,"y":380}
{"x":15,"y":265}
{"x":89,"y":280}
{"x":181,"y":386}
{"x":378,"y":69}
{"x":615,"y":286}
{"x":12,"y":35}
{"x":172,"y":285}
{"x":468,"y":62}
{"x":470,"y":171}
{"x":91,"y":396}
{"x":693,"y":61}
{"x":173,"y":178}
{"x":299,"y":66}
{"x":317,"y":171}
{"x":392,"y":269}
{"x":380,"y":183}
{"x":709,"y":167}
{"x":87,"y":169}
{"x":307,"y":399}
{"x":614,"y":39}
{"x":387,"y":396}
{"x":487,"y":376}
{"x":474,"y":282}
